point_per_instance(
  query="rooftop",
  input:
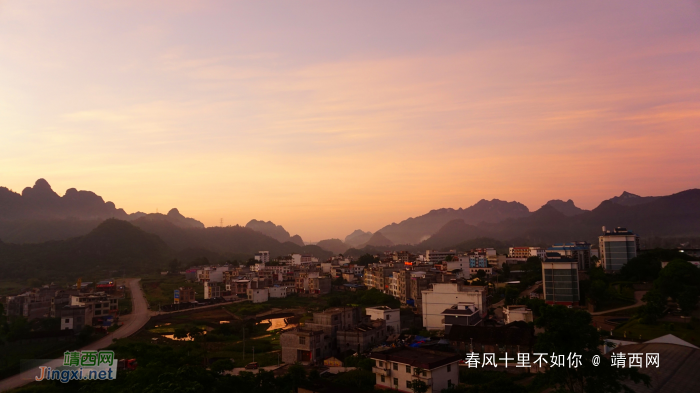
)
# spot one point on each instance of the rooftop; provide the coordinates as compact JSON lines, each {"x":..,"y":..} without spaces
{"x":514,"y":333}
{"x":417,"y":357}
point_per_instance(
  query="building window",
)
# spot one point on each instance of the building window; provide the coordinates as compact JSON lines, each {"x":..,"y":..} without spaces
{"x":302,"y":340}
{"x":67,"y":320}
{"x":408,"y":369}
{"x":396,"y":366}
{"x":396,"y":382}
{"x":449,"y":368}
{"x":449,"y":383}
{"x":408,"y":384}
{"x":381,"y":364}
{"x":383,"y":378}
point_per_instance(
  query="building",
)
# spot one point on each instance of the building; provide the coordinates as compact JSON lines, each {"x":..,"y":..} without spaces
{"x":579,"y":251}
{"x":378,"y":276}
{"x":277,"y":291}
{"x":617,"y":248}
{"x":184,"y":295}
{"x":304,"y":345}
{"x":74,"y":317}
{"x":320,"y":285}
{"x":517,"y":313}
{"x":362,"y":337}
{"x":391,"y":316}
{"x":258,"y":295}
{"x":676,"y":369}
{"x":211,"y":290}
{"x":101,"y":303}
{"x":434,"y":256}
{"x":445,"y":295}
{"x":513,"y":338}
{"x":460,"y":314}
{"x":560,"y":281}
{"x":527,"y":252}
{"x":263,"y":257}
{"x":395,"y":368}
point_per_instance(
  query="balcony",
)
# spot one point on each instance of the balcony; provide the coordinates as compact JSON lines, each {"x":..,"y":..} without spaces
{"x":381,"y":371}
{"x":428,"y":381}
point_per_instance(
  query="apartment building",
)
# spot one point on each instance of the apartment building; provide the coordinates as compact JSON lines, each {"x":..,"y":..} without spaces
{"x":263,"y":257}
{"x":361,"y":338}
{"x":463,"y":314}
{"x":396,"y":368}
{"x":444,"y":296}
{"x":434,"y":256}
{"x":579,"y":251}
{"x":392,"y":317}
{"x":617,"y":247}
{"x":560,"y":281}
{"x":305,"y":345}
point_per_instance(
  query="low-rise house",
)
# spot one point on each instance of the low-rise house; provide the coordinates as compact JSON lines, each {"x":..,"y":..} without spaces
{"x":277,"y":291}
{"x":260,"y":295}
{"x":304,"y":345}
{"x":397,"y":368}
{"x":362,"y":337}
{"x":391,"y":317}
{"x":517,"y":313}
{"x":464,"y":314}
{"x":515,"y":337}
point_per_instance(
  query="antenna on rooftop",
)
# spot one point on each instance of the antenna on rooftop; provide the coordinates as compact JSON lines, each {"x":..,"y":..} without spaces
{"x":221,"y":223}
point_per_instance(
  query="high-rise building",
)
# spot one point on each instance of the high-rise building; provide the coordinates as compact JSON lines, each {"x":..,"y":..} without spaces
{"x":579,"y":251}
{"x":560,"y":280}
{"x":617,"y":248}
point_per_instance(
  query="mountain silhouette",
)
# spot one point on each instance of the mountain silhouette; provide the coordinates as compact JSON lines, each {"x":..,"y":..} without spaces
{"x":357,"y":238}
{"x":276,"y":232}
{"x":415,"y":230}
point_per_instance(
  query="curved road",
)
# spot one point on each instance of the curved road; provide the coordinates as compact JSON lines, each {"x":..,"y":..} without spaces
{"x":135,"y":321}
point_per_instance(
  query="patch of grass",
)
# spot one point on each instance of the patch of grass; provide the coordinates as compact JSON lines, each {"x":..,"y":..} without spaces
{"x":160,"y":289}
{"x":10,"y":288}
{"x":633,"y":329}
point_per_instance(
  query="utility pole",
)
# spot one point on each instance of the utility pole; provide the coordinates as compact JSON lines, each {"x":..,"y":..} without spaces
{"x":243,"y":343}
{"x":253,"y":354}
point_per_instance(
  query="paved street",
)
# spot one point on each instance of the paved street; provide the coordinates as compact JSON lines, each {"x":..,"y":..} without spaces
{"x":132,"y":323}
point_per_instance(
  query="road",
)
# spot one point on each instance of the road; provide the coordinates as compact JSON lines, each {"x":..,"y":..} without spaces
{"x":637,"y":295}
{"x":132,"y":323}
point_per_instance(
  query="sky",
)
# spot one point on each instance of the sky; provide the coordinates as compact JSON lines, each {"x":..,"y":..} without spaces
{"x":326,"y":117}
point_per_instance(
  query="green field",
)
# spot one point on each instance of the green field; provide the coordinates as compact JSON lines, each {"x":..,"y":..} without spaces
{"x":689,"y":332}
{"x":10,"y":288}
{"x":159,"y":289}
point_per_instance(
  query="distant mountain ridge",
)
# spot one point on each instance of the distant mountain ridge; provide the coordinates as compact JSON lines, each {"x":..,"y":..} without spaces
{"x":276,"y":232}
{"x":418,"y":229}
{"x":357,"y":237}
{"x":566,"y":208}
{"x":676,"y":215}
{"x":39,"y":214}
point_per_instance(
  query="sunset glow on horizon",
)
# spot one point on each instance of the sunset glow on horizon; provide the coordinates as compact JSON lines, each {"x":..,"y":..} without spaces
{"x":326,"y":117}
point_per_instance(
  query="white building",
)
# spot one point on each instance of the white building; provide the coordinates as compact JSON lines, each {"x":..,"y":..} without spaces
{"x":395,"y":368}
{"x":435,"y":256}
{"x":277,"y":291}
{"x":446,"y":295}
{"x":392,"y":317}
{"x":263,"y":257}
{"x":260,"y":295}
{"x":517,"y":313}
{"x":460,"y":264}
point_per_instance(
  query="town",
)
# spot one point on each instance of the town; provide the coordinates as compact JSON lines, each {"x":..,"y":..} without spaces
{"x":427,"y":311}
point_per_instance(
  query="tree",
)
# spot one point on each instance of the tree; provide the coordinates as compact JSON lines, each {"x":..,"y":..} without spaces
{"x":645,"y":267}
{"x":511,"y":294}
{"x":418,"y":386}
{"x":180,"y":333}
{"x":506,"y":271}
{"x":481,"y":274}
{"x":222,"y":365}
{"x":654,"y":307}
{"x":366,"y":259}
{"x":339,"y":281}
{"x":449,"y":258}
{"x":569,"y":331}
{"x":598,"y":292}
{"x":688,"y":299}
{"x":86,"y":333}
{"x":675,"y":276}
{"x":174,"y":266}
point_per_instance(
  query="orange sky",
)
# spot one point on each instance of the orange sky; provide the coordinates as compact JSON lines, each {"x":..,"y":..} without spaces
{"x":327,"y":117}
